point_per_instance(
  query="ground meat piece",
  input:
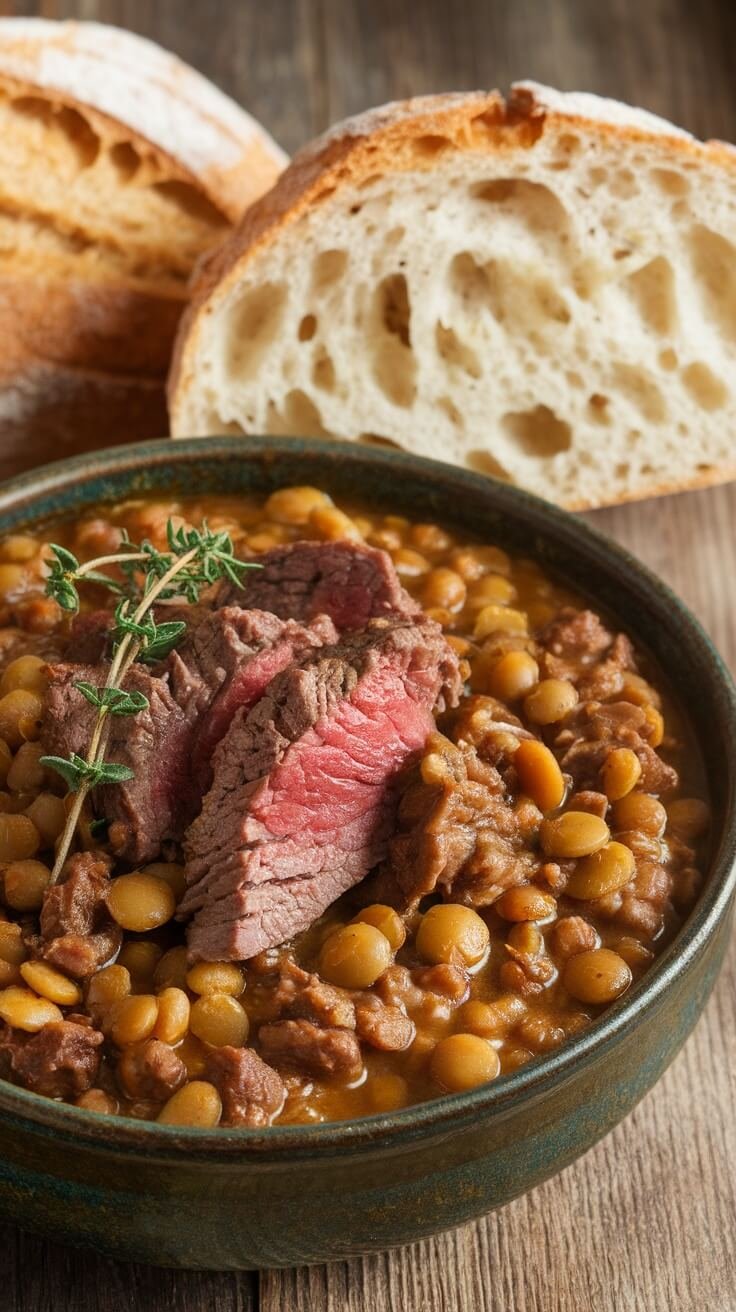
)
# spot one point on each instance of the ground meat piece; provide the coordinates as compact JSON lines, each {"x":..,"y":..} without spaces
{"x":572,"y":934}
{"x":590,"y":733}
{"x":302,"y":1046}
{"x":572,"y":643}
{"x":459,"y":833}
{"x":60,"y":1061}
{"x":384,"y":1027}
{"x":78,"y":955}
{"x":498,"y":862}
{"x":447,"y":981}
{"x":77,"y":933}
{"x":150,"y":1070}
{"x":587,"y":800}
{"x":252,"y":1092}
{"x":397,"y":988}
{"x":75,"y":904}
{"x":555,"y":875}
{"x":301,"y":995}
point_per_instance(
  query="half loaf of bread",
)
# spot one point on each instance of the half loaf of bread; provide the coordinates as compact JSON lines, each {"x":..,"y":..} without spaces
{"x":542,"y":288}
{"x":119,"y":167}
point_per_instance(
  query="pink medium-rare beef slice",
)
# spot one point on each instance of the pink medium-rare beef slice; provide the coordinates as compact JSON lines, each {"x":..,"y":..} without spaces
{"x":348,"y":581}
{"x":303,"y":799}
{"x":226,"y":660}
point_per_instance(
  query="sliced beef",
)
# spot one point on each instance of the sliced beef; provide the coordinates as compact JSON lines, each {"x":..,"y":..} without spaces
{"x":302,"y":1046}
{"x":60,"y":1061}
{"x":77,"y":932}
{"x":252,"y":1092}
{"x":152,"y":743}
{"x":150,"y":1070}
{"x":303,"y":799}
{"x":227,"y":660}
{"x":235,"y":654}
{"x":348,"y":581}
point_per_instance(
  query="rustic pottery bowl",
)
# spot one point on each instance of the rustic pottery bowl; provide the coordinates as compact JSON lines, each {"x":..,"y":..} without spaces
{"x":250,"y":1198}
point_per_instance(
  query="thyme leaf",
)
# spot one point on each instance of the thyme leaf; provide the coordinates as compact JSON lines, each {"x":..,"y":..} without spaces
{"x":115,"y":700}
{"x":75,"y":771}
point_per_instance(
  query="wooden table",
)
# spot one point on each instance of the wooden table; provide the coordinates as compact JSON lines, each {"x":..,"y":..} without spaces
{"x":646,"y":1221}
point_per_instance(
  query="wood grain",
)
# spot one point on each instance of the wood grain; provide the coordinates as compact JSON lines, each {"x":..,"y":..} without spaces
{"x":645,"y":1222}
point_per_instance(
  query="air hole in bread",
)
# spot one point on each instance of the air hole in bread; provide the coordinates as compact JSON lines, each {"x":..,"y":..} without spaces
{"x":394,"y":235}
{"x":394,"y":365}
{"x":538,"y":432}
{"x":623,"y":470}
{"x":328,"y":268}
{"x":714,"y":264}
{"x":82,"y":138}
{"x":598,"y":408}
{"x":307,"y":328}
{"x":705,"y":387}
{"x":375,"y":439}
{"x":598,"y":176}
{"x":455,"y":352}
{"x":395,"y":309}
{"x":516,"y":298}
{"x":224,"y":428}
{"x":254,"y":326}
{"x":670,"y":182}
{"x":574,"y":379}
{"x":569,"y":146}
{"x":323,"y":370}
{"x":298,"y":417}
{"x":532,"y":205}
{"x":125,"y":160}
{"x":640,"y":389}
{"x":570,"y":143}
{"x":652,"y":289}
{"x":484,"y":463}
{"x":623,"y":184}
{"x":432,"y":144}
{"x":469,"y":280}
{"x":668,"y":359}
{"x":191,"y":202}
{"x":446,"y":404}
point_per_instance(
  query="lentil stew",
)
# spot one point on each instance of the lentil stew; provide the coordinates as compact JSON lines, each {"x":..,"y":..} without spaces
{"x":546,"y":842}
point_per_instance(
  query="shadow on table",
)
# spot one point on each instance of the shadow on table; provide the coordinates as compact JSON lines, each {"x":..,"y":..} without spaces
{"x":39,"y":1276}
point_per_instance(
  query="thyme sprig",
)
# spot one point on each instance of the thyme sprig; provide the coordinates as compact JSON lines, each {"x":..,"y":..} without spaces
{"x":196,"y":559}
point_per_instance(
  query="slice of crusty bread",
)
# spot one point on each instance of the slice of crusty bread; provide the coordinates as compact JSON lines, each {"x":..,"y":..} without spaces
{"x":119,"y":167}
{"x":542,"y":288}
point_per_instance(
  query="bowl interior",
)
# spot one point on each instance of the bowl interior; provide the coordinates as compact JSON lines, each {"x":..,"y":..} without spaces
{"x":596,"y":568}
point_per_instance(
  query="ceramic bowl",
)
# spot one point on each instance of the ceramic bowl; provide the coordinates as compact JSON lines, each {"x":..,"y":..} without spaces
{"x":256,"y":1198}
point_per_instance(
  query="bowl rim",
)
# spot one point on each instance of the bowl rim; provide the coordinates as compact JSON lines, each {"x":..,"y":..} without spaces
{"x":449,"y":1113}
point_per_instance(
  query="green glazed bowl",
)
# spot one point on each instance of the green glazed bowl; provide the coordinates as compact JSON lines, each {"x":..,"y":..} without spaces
{"x":256,"y":1198}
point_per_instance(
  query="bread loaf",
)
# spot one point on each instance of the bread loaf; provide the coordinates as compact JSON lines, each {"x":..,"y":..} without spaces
{"x":119,"y":167}
{"x":542,"y":288}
